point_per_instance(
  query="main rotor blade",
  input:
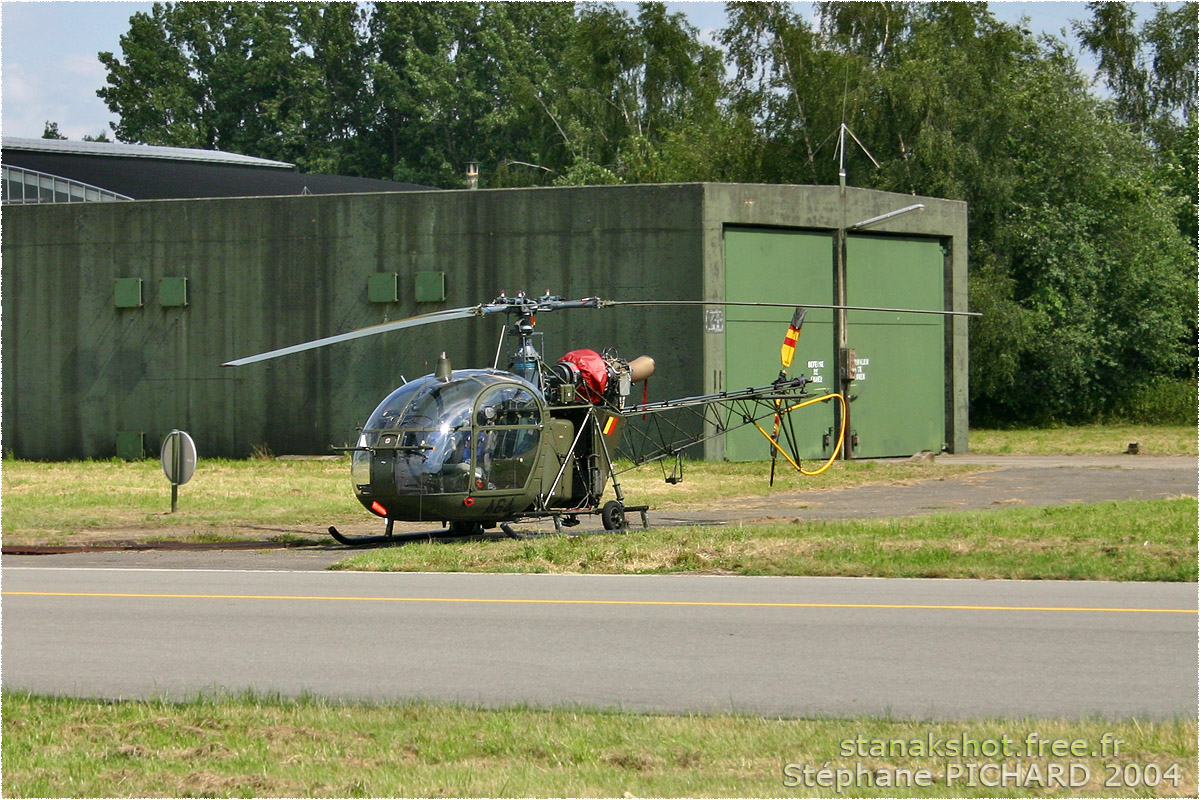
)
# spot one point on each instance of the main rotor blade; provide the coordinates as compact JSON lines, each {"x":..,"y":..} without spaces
{"x":512,"y":305}
{"x":371,"y":330}
{"x":606,"y":303}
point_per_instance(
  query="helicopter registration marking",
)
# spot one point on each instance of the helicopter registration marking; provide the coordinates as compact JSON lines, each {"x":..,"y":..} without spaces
{"x":500,"y":504}
{"x":565,"y":602}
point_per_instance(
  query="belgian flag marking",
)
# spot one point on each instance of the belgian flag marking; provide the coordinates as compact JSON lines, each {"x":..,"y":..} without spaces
{"x":610,"y":425}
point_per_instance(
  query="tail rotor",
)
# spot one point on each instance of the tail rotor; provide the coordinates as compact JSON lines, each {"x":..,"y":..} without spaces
{"x":786,"y":353}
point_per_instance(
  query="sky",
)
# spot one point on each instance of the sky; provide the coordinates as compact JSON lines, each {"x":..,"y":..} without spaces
{"x":50,"y":71}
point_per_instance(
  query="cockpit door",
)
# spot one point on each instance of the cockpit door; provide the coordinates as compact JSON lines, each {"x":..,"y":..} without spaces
{"x":507,"y":432}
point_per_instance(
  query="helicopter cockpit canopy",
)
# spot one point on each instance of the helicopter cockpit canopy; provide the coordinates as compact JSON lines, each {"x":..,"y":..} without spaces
{"x":477,"y":431}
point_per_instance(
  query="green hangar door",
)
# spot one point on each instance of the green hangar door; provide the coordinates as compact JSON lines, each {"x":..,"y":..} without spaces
{"x":900,"y":379}
{"x":779,"y":266}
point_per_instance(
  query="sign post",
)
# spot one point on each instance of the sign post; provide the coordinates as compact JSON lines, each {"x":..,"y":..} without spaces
{"x":178,"y":462}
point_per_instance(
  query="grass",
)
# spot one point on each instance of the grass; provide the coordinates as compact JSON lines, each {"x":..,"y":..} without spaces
{"x":1152,"y":540}
{"x":256,"y":746}
{"x":76,"y":501}
{"x":1155,"y":440}
{"x":706,"y":482}
{"x":263,"y":746}
{"x":87,"y":501}
{"x":266,"y":499}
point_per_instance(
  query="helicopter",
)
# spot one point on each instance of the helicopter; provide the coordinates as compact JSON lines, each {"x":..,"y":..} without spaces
{"x":476,"y":449}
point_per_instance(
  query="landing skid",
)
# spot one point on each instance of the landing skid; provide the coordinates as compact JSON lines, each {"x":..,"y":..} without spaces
{"x":613,"y":514}
{"x":387,"y":538}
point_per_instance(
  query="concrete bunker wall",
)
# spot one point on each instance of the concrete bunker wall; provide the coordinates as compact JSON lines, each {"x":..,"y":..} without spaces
{"x":267,"y":272}
{"x":837,"y":264}
{"x":262,"y":273}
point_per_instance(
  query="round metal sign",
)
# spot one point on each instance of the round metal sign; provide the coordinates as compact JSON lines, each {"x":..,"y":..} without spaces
{"x":178,"y":457}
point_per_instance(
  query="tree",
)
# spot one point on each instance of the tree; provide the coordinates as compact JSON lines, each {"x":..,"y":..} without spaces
{"x":635,"y":84}
{"x":462,"y":82}
{"x":1088,"y":251}
{"x":781,"y":89}
{"x":1076,"y":204}
{"x":416,"y":91}
{"x":1152,"y":70}
{"x":332,"y":112}
{"x":206,"y":75}
{"x":51,"y":132}
{"x":1085,"y":287}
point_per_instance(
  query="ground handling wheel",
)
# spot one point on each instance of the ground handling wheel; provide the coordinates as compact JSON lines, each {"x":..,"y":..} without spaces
{"x":613,"y":516}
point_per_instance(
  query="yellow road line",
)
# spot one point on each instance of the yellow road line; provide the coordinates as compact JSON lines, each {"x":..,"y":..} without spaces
{"x":551,"y":601}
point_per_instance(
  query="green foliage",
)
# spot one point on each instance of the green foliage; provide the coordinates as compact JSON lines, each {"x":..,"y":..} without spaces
{"x":1087,"y":265}
{"x":1079,"y":248}
{"x":206,"y":75}
{"x":1151,"y":70}
{"x":628,"y":85}
{"x":1160,"y":401}
{"x":1127,"y":541}
{"x":536,"y":92}
{"x":51,"y":131}
{"x":584,"y":172}
{"x":460,"y":82}
{"x":256,"y":745}
{"x":1083,"y":222}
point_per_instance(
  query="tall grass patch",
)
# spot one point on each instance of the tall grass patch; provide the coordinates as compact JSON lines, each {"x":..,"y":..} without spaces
{"x":264,"y":747}
{"x":1153,"y":540}
{"x":1164,"y":401}
{"x":1112,"y":439}
{"x":62,"y":502}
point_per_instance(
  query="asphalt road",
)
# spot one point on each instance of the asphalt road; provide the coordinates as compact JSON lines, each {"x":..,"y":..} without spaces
{"x":776,"y":646}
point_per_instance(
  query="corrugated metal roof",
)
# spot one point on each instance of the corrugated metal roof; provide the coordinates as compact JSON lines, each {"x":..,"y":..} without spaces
{"x":163,"y":179}
{"x":115,"y":150}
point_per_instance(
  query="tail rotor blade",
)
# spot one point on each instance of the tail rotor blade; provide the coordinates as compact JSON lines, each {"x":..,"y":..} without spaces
{"x":788,"y":351}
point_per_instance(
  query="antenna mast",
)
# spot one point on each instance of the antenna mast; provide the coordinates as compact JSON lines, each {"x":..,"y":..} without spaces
{"x":843,"y":129}
{"x":841,"y":153}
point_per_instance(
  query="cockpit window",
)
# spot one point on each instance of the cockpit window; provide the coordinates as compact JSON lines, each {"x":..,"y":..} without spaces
{"x":508,"y":427}
{"x":508,"y":405}
{"x":476,"y":432}
{"x":427,"y":404}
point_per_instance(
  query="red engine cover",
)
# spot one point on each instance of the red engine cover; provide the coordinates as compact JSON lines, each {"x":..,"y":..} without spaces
{"x":594,"y":371}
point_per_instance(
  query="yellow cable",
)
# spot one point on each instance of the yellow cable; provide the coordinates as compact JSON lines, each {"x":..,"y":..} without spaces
{"x":841,"y":433}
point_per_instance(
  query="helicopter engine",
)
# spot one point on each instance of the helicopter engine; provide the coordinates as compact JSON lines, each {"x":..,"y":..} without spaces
{"x":594,"y":378}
